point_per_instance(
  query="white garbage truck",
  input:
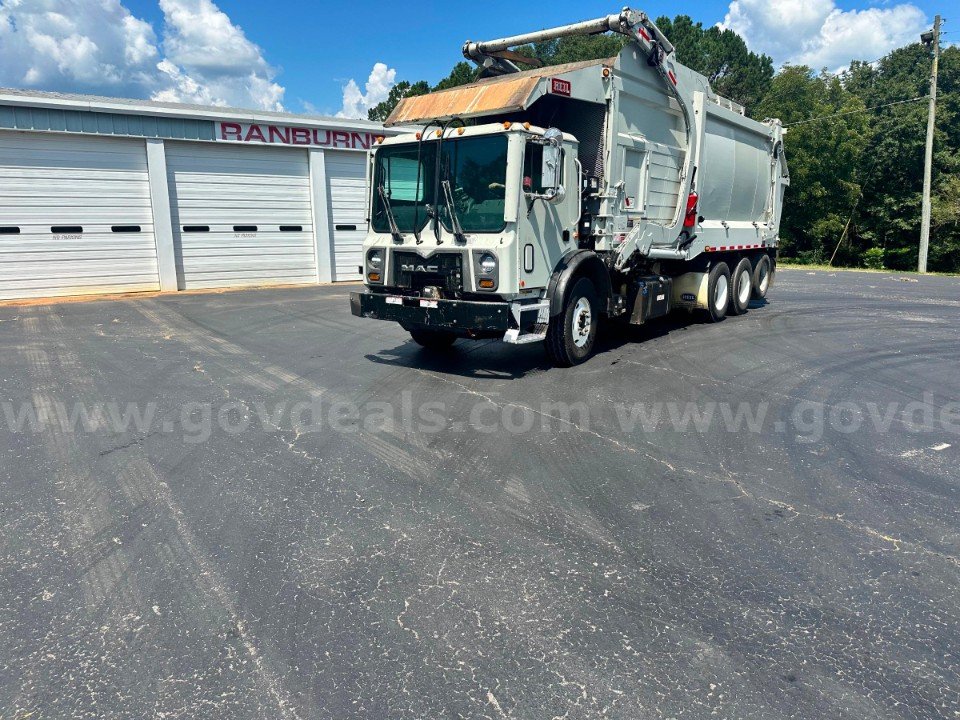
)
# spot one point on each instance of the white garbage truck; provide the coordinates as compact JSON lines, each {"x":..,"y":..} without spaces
{"x":535,"y":203}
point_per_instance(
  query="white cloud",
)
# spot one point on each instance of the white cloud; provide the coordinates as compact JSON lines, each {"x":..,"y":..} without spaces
{"x":214,"y":53}
{"x":199,"y":35}
{"x":99,"y":46}
{"x":183,"y":88}
{"x":379,"y":83}
{"x":140,"y":46}
{"x":819,"y":34}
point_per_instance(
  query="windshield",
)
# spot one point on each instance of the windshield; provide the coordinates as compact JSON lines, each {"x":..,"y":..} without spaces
{"x":475,"y":167}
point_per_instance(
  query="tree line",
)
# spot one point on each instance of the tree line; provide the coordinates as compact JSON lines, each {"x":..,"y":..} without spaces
{"x":855,"y":157}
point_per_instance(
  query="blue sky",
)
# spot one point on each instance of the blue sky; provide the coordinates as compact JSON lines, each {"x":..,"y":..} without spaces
{"x":300,"y":55}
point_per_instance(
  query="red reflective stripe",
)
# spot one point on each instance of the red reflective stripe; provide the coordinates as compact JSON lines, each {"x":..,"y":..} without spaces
{"x":643,"y":33}
{"x":721,"y":248}
{"x":673,"y":78}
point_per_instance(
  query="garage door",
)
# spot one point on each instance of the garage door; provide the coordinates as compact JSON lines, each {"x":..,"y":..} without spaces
{"x":241,"y":215}
{"x":75,"y":216}
{"x":347,"y":193}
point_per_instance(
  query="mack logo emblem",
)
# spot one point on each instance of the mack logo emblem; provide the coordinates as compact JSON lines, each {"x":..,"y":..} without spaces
{"x":420,"y":268}
{"x":560,"y":87}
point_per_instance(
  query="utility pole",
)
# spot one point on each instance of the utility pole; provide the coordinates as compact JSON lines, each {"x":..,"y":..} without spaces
{"x":929,"y":38}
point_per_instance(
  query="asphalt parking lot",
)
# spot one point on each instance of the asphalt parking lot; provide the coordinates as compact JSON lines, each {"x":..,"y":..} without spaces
{"x":313,"y":518}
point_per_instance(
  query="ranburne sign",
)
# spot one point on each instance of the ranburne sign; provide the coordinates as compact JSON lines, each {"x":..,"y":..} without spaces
{"x":263,"y":134}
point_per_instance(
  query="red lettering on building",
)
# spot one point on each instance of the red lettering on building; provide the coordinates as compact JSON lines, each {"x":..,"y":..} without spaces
{"x":361,"y":141}
{"x":290,"y":135}
{"x":255,"y":133}
{"x":282,"y":133}
{"x":231,"y":131}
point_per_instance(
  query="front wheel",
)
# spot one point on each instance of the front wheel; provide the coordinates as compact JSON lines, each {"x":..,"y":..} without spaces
{"x":433,"y":339}
{"x":572,"y":333}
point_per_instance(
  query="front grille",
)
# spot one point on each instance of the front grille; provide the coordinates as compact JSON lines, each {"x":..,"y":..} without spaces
{"x":442,"y":269}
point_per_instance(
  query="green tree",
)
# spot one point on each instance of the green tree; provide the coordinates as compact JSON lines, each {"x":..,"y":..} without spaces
{"x":823,"y":158}
{"x":463,"y":73}
{"x":576,"y":48}
{"x":722,"y":56}
{"x":891,"y":207}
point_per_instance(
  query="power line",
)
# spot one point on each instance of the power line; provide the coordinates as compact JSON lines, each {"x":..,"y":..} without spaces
{"x":854,"y":112}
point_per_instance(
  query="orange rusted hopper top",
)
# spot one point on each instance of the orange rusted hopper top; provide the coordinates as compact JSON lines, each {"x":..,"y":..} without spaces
{"x":516,"y":91}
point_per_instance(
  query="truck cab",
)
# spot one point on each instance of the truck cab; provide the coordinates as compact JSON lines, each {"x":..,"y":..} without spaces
{"x":467,"y":225}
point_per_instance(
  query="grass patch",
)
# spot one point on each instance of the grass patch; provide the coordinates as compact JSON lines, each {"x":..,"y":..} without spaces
{"x":782,"y":264}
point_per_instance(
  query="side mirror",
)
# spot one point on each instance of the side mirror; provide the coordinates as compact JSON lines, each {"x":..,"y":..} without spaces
{"x":552,"y":157}
{"x":551,"y":166}
{"x":552,"y":169}
{"x":548,"y":185}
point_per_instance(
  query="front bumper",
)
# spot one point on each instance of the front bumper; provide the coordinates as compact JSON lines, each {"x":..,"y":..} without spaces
{"x":469,"y":318}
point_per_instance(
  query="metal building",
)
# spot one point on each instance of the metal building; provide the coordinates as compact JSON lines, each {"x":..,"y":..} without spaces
{"x":101,"y":195}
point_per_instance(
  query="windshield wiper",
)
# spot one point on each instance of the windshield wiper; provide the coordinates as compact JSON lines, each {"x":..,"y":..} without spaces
{"x":391,"y":220}
{"x":452,"y":210}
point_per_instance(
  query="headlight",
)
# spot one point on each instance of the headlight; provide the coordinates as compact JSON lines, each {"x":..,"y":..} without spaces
{"x":488,"y":263}
{"x":375,"y":259}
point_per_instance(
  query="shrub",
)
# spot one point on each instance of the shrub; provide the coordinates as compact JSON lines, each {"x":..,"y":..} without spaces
{"x":873,"y":258}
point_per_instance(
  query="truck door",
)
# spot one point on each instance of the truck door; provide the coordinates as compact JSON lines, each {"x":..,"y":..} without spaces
{"x":549,"y":230}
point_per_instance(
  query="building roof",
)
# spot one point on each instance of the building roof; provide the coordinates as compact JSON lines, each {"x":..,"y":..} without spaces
{"x":129,"y":106}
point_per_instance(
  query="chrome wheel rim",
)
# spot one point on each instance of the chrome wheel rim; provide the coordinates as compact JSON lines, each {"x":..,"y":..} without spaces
{"x":581,"y":322}
{"x":720,"y":293}
{"x":743,"y":291}
{"x":764,"y":278}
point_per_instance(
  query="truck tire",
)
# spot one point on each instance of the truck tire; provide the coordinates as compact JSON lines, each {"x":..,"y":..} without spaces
{"x":762,"y":275}
{"x":433,"y":339}
{"x":718,"y":292}
{"x":571,"y":334}
{"x":741,"y":286}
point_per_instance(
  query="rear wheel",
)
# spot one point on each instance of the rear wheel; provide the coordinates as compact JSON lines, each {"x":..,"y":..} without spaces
{"x":718,"y":292}
{"x":762,"y":275}
{"x":433,"y":339}
{"x":571,"y":334}
{"x":742,"y":286}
